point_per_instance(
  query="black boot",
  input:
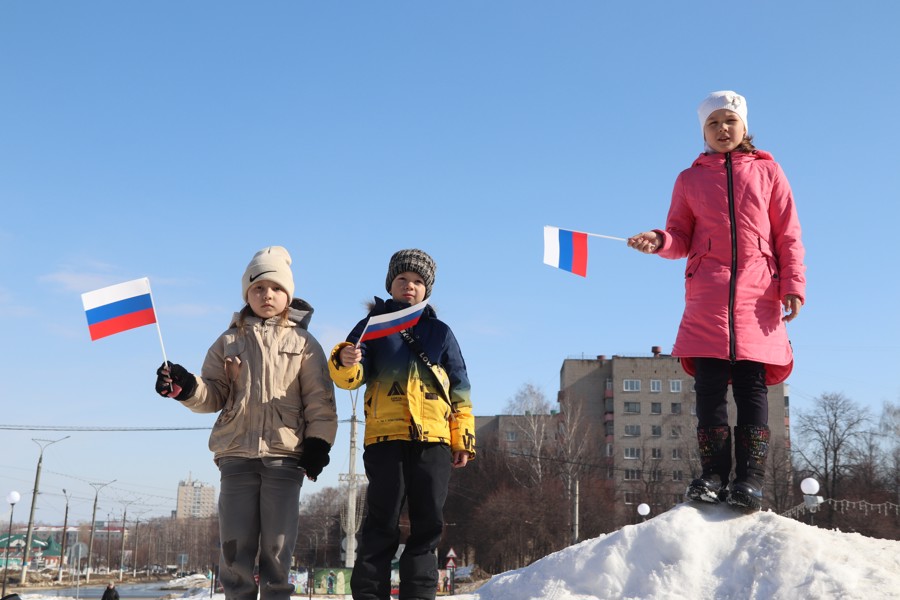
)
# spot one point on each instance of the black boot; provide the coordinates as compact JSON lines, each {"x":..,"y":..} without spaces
{"x":750,"y":451}
{"x":715,"y":459}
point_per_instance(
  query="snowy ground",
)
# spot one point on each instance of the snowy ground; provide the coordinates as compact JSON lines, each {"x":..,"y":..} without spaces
{"x":697,"y":553}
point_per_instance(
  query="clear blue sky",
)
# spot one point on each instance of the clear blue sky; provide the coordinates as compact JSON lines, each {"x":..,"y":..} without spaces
{"x":171,"y":140}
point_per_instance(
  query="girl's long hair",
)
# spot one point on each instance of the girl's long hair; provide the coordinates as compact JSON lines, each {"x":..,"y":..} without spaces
{"x":746,"y":144}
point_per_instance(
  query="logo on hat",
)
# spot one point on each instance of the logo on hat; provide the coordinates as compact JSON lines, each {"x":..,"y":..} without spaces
{"x":255,"y":277}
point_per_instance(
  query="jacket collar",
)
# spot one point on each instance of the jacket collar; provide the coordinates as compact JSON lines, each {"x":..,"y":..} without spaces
{"x":380,"y":307}
{"x":717,"y":159}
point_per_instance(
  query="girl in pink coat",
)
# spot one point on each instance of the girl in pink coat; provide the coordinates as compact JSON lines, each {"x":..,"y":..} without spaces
{"x":733,"y":216}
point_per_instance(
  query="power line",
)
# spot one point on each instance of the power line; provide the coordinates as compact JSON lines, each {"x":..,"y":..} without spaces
{"x":83,"y":428}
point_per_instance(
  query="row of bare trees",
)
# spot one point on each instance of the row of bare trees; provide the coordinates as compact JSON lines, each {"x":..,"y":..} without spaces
{"x":855,"y":457}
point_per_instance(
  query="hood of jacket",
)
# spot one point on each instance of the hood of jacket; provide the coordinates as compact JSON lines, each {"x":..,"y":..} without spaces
{"x":300,"y":314}
{"x":717,"y":159}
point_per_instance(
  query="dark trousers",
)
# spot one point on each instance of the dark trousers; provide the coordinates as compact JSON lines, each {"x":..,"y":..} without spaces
{"x":258,"y":513}
{"x":402,"y":472}
{"x":748,"y":386}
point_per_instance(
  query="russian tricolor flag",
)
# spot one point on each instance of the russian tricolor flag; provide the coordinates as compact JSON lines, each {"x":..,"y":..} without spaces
{"x":384,"y":325}
{"x":566,"y":250}
{"x":119,"y":308}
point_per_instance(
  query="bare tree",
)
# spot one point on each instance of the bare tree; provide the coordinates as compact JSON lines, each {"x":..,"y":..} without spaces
{"x":533,"y":423}
{"x":571,"y":449}
{"x":830,"y":435}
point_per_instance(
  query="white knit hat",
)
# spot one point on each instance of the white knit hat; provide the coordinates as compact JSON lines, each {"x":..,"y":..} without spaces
{"x":273,"y":264}
{"x":724,"y":99}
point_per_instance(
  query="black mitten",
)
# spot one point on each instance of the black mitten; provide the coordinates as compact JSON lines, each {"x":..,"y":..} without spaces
{"x":174,"y":381}
{"x":314,"y":457}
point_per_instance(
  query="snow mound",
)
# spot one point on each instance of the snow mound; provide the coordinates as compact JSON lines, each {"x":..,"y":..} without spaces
{"x":709,"y":552}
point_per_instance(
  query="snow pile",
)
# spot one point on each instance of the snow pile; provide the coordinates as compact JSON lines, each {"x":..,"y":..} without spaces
{"x":700,"y":552}
{"x":709,"y":552}
{"x":187,"y":582}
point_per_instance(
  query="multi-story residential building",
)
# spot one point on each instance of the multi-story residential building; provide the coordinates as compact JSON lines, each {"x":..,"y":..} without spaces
{"x":643,"y":411}
{"x":195,"y":499}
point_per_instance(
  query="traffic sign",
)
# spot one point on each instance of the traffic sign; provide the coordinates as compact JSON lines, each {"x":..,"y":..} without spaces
{"x":451,"y":564}
{"x":451,"y":554}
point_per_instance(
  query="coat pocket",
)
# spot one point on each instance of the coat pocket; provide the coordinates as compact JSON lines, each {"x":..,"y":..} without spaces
{"x":693,"y":266}
{"x":287,"y":427}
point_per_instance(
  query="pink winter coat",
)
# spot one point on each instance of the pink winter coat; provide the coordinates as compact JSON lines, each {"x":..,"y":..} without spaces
{"x":733,"y":216}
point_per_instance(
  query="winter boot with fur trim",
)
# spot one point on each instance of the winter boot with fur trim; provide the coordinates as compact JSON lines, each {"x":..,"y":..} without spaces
{"x":715,"y":459}
{"x":750,"y":451}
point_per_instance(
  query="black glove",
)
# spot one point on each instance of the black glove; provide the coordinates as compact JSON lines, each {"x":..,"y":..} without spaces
{"x":314,"y":457}
{"x":174,"y":381}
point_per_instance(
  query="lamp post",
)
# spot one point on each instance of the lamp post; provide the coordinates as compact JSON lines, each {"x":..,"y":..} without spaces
{"x":810,"y":487}
{"x":97,"y":487}
{"x":122,"y":550}
{"x":12,"y":498}
{"x":643,"y":509}
{"x":65,"y":535}
{"x":37,"y":481}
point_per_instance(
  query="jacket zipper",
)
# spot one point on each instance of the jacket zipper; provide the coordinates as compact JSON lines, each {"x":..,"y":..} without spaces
{"x":733,"y":281}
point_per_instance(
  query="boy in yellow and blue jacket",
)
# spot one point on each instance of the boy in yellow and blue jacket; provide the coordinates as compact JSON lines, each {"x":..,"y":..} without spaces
{"x":419,"y":425}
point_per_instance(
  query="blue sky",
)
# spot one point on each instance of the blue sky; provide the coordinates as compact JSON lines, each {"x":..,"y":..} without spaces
{"x":171,"y":140}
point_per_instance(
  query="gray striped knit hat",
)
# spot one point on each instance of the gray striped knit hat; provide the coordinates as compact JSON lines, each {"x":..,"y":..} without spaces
{"x":413,"y":260}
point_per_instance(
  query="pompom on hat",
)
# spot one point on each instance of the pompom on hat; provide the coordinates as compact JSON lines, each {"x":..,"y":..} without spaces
{"x":272,"y":263}
{"x":415,"y":261}
{"x":724,"y":99}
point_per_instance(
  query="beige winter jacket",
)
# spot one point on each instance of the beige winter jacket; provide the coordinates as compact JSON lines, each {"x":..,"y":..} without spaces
{"x":270,"y":381}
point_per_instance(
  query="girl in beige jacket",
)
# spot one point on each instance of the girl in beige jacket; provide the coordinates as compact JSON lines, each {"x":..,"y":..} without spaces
{"x":267,"y":376}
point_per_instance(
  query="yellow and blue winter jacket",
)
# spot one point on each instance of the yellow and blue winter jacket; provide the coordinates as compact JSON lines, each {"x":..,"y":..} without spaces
{"x":404,"y":399}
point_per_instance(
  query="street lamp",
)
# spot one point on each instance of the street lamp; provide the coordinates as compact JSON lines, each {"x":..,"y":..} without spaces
{"x":12,"y":498}
{"x":122,"y":551}
{"x":65,"y":535}
{"x":643,"y":509}
{"x":810,"y":487}
{"x":37,"y":480}
{"x":97,"y":487}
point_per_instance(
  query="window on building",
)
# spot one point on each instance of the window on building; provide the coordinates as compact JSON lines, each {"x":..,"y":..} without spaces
{"x":632,"y":430}
{"x":656,"y":453}
{"x":676,"y":453}
{"x":632,"y":474}
{"x":609,"y":450}
{"x":655,"y":386}
{"x":511,"y":436}
{"x":631,"y":498}
{"x":631,"y":385}
{"x":656,"y":475}
{"x":608,"y":428}
{"x":608,"y":405}
{"x":678,"y":475}
{"x":675,"y":386}
{"x":676,"y":408}
{"x":609,"y":384}
{"x":656,"y":408}
{"x":633,"y":408}
{"x":676,"y":431}
{"x":656,"y":430}
{"x":632,"y":453}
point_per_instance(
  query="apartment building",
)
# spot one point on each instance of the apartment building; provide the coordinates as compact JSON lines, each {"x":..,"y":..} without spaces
{"x":195,"y":499}
{"x":642,"y":408}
